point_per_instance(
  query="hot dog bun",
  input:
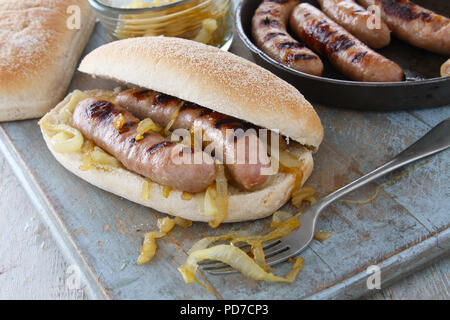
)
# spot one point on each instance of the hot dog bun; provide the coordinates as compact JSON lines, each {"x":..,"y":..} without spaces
{"x":210,"y":77}
{"x":38,"y":54}
{"x":214,"y":79}
{"x":124,"y":183}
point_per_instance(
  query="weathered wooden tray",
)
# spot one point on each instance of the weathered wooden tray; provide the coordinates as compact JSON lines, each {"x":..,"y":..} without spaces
{"x":404,"y":228}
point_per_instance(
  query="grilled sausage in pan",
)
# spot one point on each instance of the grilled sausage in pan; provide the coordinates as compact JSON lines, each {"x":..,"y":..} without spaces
{"x":153,"y":156}
{"x":445,"y":69}
{"x":159,"y":107}
{"x":269,"y":32}
{"x":416,"y":25}
{"x":349,"y":55}
{"x":358,"y":21}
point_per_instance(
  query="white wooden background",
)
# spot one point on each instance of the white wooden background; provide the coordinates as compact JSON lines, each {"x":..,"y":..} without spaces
{"x":31,"y":266}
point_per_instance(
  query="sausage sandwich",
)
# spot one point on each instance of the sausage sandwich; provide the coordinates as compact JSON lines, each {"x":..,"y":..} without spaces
{"x":130,"y":142}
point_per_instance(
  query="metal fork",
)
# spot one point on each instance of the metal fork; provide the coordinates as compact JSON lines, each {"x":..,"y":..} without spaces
{"x":436,"y":140}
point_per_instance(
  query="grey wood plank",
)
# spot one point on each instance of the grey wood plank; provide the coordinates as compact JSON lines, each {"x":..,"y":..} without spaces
{"x":432,"y":116}
{"x":431,"y":283}
{"x":382,"y":136}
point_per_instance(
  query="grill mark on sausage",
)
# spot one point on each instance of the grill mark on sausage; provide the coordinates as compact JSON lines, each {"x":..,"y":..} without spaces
{"x":359,"y":56}
{"x":320,"y":23}
{"x":404,"y":11}
{"x":293,"y":57}
{"x":289,"y":45}
{"x":279,"y":1}
{"x":268,"y":22}
{"x":141,"y":94}
{"x":269,"y":11}
{"x":426,"y":16}
{"x":322,"y":31}
{"x":190,"y":106}
{"x":100,"y":110}
{"x":223,"y":122}
{"x":272,"y":35}
{"x":126,"y":126}
{"x":159,"y":145}
{"x":205,"y":112}
{"x":162,"y":98}
{"x":132,"y":141}
{"x":340,"y":44}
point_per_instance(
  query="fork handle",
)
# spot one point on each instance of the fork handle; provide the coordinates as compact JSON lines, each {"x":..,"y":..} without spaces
{"x":436,"y":140}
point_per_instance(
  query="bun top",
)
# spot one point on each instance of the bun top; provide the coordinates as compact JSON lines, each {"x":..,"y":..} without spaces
{"x":210,"y":77}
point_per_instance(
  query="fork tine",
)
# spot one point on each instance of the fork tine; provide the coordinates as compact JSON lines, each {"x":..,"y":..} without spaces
{"x":280,"y":257}
{"x":226,"y":270}
{"x":220,"y":267}
{"x":275,"y":250}
{"x":210,"y":263}
{"x":271,"y":244}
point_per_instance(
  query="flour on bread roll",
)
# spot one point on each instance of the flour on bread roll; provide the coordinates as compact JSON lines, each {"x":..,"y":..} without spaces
{"x":38,"y":53}
{"x":210,"y":78}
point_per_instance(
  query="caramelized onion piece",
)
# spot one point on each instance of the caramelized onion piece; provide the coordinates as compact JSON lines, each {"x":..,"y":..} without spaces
{"x":238,"y":260}
{"x":216,"y":199}
{"x":166,"y":191}
{"x":184,"y":223}
{"x":303,"y":194}
{"x":145,"y":192}
{"x":165,"y":225}
{"x":279,"y":217}
{"x":149,"y":247}
{"x":66,"y":139}
{"x":322,"y":235}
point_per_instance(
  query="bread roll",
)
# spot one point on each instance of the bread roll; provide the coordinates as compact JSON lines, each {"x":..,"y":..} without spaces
{"x":212,"y":78}
{"x":38,"y":53}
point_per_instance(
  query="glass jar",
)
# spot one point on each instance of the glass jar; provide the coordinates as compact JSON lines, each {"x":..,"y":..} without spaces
{"x":207,"y":21}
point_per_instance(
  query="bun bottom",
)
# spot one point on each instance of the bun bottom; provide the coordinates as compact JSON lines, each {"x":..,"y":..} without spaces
{"x":124,"y":183}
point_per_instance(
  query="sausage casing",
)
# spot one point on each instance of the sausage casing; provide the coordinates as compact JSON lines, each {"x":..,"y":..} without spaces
{"x":358,"y":21}
{"x":269,"y":32}
{"x":416,"y":25}
{"x":349,"y":55}
{"x":159,"y":107}
{"x":445,"y":69}
{"x":153,"y":156}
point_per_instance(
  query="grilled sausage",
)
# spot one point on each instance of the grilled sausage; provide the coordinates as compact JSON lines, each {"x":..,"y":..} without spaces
{"x":416,"y":25}
{"x":159,"y":107}
{"x":355,"y":19}
{"x":153,"y":156}
{"x":349,"y":55}
{"x":269,"y":32}
{"x":445,"y":69}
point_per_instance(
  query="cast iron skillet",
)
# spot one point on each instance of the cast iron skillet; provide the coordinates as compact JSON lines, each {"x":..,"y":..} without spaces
{"x":423,"y":88}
